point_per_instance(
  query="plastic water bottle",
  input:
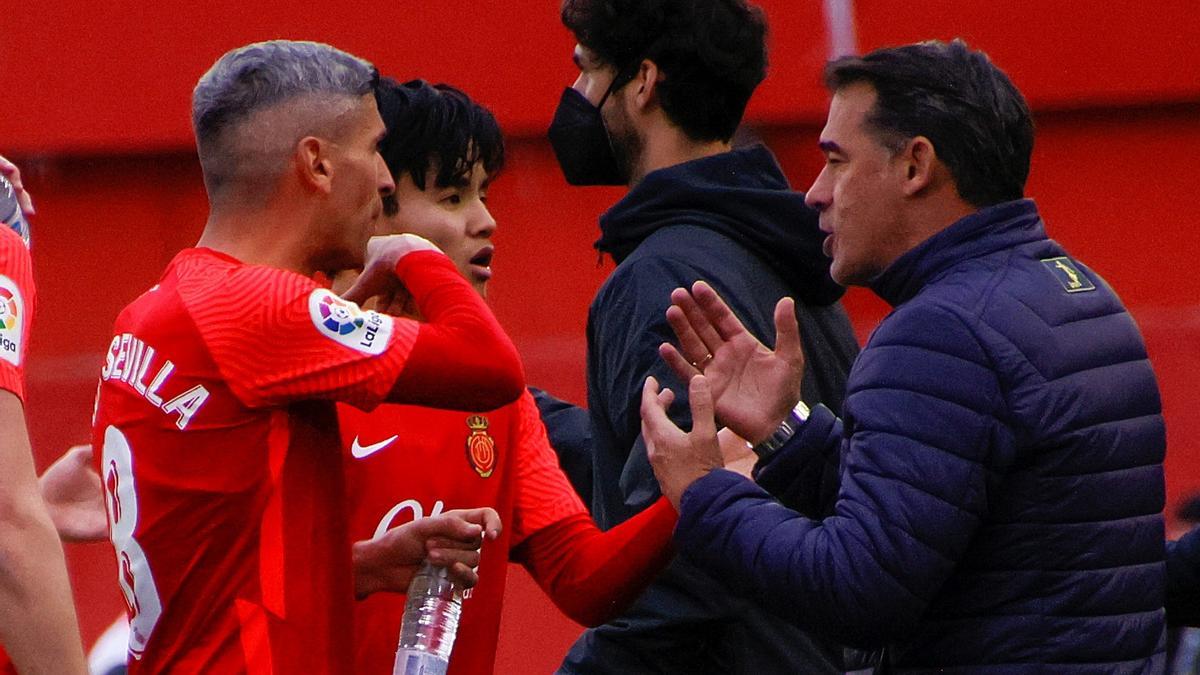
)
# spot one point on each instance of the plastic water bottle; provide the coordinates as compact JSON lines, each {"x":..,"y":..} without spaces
{"x":10,"y":210}
{"x":430,"y":623}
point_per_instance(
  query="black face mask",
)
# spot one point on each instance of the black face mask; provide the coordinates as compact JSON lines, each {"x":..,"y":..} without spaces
{"x":581,"y":143}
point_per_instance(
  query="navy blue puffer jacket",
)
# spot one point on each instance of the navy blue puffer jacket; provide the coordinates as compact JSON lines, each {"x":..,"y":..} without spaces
{"x":1000,"y":473}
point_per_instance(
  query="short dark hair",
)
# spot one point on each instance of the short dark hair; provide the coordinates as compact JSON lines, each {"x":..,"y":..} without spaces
{"x":435,"y":125}
{"x":712,"y":54}
{"x":956,"y":97}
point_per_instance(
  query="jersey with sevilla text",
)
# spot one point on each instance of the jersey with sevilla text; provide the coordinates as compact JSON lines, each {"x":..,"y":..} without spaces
{"x":218,"y":450}
{"x":16,"y":310}
{"x":407,"y":462}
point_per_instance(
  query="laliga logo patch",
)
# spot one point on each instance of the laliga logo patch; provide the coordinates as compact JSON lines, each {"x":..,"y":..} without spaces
{"x":344,"y":323}
{"x":338,"y":316}
{"x":481,"y":447}
{"x":12,"y":309}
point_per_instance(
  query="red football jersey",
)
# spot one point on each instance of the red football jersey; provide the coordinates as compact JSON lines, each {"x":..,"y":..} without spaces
{"x":407,"y":462}
{"x":16,"y":313}
{"x":16,"y":310}
{"x":216,"y":439}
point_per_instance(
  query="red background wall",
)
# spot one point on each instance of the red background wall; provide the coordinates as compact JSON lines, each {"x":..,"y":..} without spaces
{"x":96,"y":98}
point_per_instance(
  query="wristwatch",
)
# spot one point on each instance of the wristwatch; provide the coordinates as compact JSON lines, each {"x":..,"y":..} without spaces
{"x":787,"y":428}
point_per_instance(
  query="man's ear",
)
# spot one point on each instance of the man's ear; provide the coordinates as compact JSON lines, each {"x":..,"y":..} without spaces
{"x":920,"y":162}
{"x":313,"y":166}
{"x":645,"y":84}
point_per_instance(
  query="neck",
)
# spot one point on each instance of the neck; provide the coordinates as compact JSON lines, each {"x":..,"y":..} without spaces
{"x":667,"y":145}
{"x":928,"y":217}
{"x":265,"y":236}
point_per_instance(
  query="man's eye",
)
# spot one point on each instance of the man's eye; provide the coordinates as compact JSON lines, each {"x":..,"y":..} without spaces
{"x":454,"y":199}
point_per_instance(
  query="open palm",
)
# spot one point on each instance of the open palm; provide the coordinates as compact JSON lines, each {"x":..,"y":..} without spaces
{"x":753,"y":387}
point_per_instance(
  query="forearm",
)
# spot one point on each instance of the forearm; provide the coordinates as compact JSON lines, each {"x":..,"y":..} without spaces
{"x":841,"y":577}
{"x":591,"y":575}
{"x":803,"y":475}
{"x":461,"y":359}
{"x":37,"y":617}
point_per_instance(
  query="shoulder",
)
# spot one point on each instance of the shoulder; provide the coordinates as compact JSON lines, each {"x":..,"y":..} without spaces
{"x":208,"y":278}
{"x":15,"y":261}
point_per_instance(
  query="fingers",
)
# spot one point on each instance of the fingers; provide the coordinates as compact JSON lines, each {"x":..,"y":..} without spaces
{"x":701,"y":401}
{"x":365,"y":287}
{"x":449,"y":526}
{"x":81,"y":454}
{"x":787,"y":332}
{"x":445,"y":557}
{"x":13,"y":174}
{"x":463,"y":575}
{"x":485,"y":517}
{"x":697,"y":336}
{"x":715,"y":312}
{"x":691,"y":344}
{"x":655,"y":423}
{"x":682,"y":367}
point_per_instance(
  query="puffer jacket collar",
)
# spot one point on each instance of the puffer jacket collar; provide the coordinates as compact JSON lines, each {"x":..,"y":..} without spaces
{"x":987,"y":230}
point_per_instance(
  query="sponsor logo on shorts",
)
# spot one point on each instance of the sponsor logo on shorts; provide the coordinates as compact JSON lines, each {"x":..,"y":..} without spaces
{"x":344,"y":323}
{"x":12,"y":316}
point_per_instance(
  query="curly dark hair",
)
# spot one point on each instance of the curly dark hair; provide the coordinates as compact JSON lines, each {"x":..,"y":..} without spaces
{"x":435,"y":125}
{"x":956,"y":97}
{"x":712,"y":53}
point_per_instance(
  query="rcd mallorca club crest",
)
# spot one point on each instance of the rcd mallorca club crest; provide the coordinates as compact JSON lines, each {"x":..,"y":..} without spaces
{"x":481,"y":447}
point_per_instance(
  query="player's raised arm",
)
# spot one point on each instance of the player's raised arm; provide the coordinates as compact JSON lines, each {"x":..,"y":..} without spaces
{"x":461,"y":358}
{"x":37,"y":617}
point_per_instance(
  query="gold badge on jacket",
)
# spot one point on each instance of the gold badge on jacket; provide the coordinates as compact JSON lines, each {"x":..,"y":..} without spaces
{"x":481,"y":447}
{"x":1070,"y":276}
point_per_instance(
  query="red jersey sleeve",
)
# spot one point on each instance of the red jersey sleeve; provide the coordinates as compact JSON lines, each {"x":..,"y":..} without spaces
{"x":17,"y":299}
{"x":276,"y":337}
{"x":462,"y":358}
{"x":590,"y":575}
{"x":543,"y":495}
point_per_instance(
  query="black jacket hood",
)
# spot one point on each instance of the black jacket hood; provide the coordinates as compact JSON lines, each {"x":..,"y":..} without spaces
{"x":744,"y":196}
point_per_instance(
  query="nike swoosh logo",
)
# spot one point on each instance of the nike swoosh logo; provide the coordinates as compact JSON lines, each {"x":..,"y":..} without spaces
{"x":360,"y":451}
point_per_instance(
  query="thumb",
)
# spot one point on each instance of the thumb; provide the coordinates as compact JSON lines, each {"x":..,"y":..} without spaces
{"x":701,"y":401}
{"x":787,"y":333}
{"x":364,"y":288}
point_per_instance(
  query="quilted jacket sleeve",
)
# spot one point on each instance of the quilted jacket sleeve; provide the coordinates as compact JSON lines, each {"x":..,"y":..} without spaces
{"x":923,"y":433}
{"x":796,"y":475}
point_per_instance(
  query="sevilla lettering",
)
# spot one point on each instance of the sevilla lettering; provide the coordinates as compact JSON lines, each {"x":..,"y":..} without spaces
{"x":129,"y":360}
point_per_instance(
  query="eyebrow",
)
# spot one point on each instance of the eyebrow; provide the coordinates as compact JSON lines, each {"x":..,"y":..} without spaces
{"x":829,"y":146}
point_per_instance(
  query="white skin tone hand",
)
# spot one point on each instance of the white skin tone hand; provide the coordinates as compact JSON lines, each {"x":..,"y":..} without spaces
{"x":378,"y":278}
{"x":680,"y":458}
{"x":753,"y":387}
{"x":74,"y":497}
{"x":451,"y":540}
{"x":737,"y":454}
{"x":13,"y":174}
